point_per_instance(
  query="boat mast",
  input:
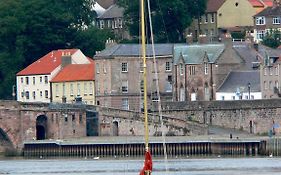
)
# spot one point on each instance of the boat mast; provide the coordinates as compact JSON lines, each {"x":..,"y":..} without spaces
{"x":144,"y":75}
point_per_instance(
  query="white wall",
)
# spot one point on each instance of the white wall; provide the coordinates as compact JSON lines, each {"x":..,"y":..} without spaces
{"x":229,"y":96}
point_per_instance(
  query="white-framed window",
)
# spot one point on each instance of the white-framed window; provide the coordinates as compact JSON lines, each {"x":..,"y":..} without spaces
{"x":125,"y":103}
{"x":212,"y":18}
{"x":112,"y":24}
{"x":63,"y":89}
{"x":260,"y":34}
{"x":21,"y":80}
{"x":141,"y":66}
{"x":168,"y":66}
{"x":46,"y":79}
{"x":34,"y":95}
{"x":206,"y":18}
{"x":276,"y":70}
{"x":181,"y":69}
{"x":276,"y":20}
{"x":27,"y":80}
{"x":78,"y":89}
{"x":91,"y":88}
{"x":101,"y":24}
{"x":260,"y":20}
{"x":115,"y":23}
{"x":277,"y":84}
{"x":46,"y":94}
{"x":124,"y":67}
{"x":85,"y":88}
{"x":33,"y":80}
{"x":104,"y":68}
{"x":97,"y":68}
{"x":206,"y":68}
{"x":41,"y":94}
{"x":108,"y":23}
{"x":265,"y":71}
{"x":27,"y":94}
{"x":57,"y":90}
{"x":120,"y":22}
{"x":124,"y":86}
{"x":41,"y":80}
{"x":71,"y":89}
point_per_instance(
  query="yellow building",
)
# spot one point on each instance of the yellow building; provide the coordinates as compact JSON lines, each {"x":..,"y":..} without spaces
{"x":75,"y":83}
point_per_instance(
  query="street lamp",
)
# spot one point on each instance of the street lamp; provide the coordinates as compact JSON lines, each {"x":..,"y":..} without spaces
{"x":249,"y":90}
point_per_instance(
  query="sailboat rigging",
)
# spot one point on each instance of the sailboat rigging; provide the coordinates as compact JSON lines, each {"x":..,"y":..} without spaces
{"x":147,"y":169}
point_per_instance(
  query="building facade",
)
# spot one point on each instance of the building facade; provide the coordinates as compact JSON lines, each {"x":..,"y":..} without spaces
{"x":74,"y":84}
{"x":33,"y":82}
{"x":119,"y":75}
{"x":267,"y":21}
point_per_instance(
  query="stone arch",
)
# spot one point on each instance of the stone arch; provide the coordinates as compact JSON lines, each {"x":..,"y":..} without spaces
{"x":115,"y":128}
{"x":41,"y":127}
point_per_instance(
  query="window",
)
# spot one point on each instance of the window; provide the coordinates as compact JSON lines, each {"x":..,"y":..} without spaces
{"x":200,"y":19}
{"x":264,"y":71}
{"x":78,"y":89}
{"x":91,"y":88}
{"x":276,"y":20}
{"x":270,"y":71}
{"x":277,"y":84}
{"x":85,"y":88}
{"x":142,"y":86}
{"x":212,"y":18}
{"x":124,"y":67}
{"x":212,"y":32}
{"x":46,"y":79}
{"x":40,"y":79}
{"x":192,"y":70}
{"x":34,"y":95}
{"x":27,"y":94}
{"x":222,"y":97}
{"x":120,"y":22}
{"x":206,"y":32}
{"x":21,"y":80}
{"x":63,"y":89}
{"x":73,"y":117}
{"x":46,"y":94}
{"x":101,"y":24}
{"x":141,"y":66}
{"x":104,"y":69}
{"x":181,"y":69}
{"x":125,"y":86}
{"x":26,"y":80}
{"x":65,"y":118}
{"x":57,"y":90}
{"x":168,"y":66}
{"x":265,"y":85}
{"x":270,"y":85}
{"x":276,"y":70}
{"x":41,"y":94}
{"x":260,"y":20}
{"x":233,"y":97}
{"x":98,"y":68}
{"x":33,"y":80}
{"x":206,"y":68}
{"x":260,"y":34}
{"x":108,"y":23}
{"x":206,"y":18}
{"x":115,"y":24}
{"x":22,"y":94}
{"x":125,"y":104}
{"x":71,"y":89}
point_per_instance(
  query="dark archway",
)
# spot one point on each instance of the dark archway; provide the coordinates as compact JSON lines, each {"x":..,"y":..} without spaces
{"x":115,"y":128}
{"x":41,"y":127}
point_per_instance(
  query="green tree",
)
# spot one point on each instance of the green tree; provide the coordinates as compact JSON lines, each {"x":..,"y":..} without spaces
{"x":32,"y":28}
{"x":272,"y":39}
{"x":169,"y":18}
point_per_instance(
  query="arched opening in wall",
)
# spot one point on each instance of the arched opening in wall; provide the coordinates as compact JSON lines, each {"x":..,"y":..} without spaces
{"x":41,"y":127}
{"x":251,"y":126}
{"x":5,"y":142}
{"x":115,"y":128}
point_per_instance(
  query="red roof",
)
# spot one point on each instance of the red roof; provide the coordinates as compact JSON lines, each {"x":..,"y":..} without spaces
{"x":214,"y":5}
{"x":76,"y":72}
{"x":261,"y":3}
{"x":46,"y":64}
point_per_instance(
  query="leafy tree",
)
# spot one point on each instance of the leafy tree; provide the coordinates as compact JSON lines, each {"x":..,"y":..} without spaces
{"x":32,"y":28}
{"x":272,"y":39}
{"x":169,"y":18}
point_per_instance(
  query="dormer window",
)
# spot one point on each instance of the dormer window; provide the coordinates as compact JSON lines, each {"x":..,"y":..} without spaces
{"x":260,"y":20}
{"x":276,"y":20}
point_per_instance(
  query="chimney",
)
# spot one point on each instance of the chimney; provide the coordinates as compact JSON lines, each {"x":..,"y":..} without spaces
{"x":203,"y":39}
{"x":189,"y":38}
{"x":110,"y":43}
{"x":65,"y":59}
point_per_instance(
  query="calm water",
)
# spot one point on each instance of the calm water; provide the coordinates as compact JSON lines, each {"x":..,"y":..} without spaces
{"x":189,"y":166}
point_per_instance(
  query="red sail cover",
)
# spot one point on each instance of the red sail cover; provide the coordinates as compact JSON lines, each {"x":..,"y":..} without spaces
{"x":147,"y":163}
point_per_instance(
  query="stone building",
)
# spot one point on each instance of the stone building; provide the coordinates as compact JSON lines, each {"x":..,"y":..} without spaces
{"x":119,"y":72}
{"x":267,"y":20}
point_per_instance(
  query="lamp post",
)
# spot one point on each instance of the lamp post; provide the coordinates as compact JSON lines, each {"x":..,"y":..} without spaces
{"x":249,"y":90}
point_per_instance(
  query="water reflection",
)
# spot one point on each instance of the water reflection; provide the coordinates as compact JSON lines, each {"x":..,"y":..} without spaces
{"x":191,"y":166}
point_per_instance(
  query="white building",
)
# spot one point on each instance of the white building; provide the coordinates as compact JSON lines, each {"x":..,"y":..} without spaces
{"x":33,"y":82}
{"x":240,"y":85}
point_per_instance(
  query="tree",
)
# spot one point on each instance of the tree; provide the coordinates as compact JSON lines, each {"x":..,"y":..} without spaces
{"x":169,"y":18}
{"x":272,"y":39}
{"x":30,"y":29}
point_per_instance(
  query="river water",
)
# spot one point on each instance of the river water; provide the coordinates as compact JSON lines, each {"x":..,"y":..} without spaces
{"x":187,"y":166}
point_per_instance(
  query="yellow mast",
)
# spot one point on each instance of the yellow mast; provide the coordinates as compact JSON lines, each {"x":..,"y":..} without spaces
{"x":144,"y":74}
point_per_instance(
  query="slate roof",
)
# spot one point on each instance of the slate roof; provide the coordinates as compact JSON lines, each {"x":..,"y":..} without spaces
{"x":135,"y":50}
{"x":194,"y":54}
{"x":214,"y":5}
{"x":113,"y":11}
{"x":270,"y":11}
{"x":46,"y":64}
{"x":105,"y":3}
{"x":267,"y":51}
{"x":76,"y":72}
{"x":247,"y":53}
{"x":240,"y":79}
